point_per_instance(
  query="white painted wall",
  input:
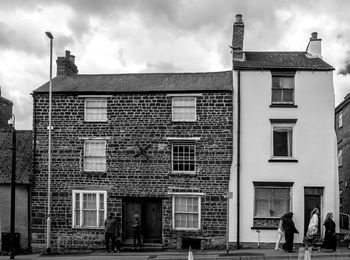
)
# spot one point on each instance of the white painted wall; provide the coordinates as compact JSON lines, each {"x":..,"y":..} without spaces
{"x":315,"y":147}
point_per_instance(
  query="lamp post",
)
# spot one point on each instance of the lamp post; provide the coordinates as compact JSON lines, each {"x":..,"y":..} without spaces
{"x":11,"y":123}
{"x":48,"y":223}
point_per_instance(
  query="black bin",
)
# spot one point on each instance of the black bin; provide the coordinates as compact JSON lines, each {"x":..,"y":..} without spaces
{"x":6,"y":239}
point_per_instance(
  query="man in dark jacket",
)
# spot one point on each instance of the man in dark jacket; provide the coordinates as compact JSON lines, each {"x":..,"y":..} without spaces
{"x":289,"y":230}
{"x":110,"y":231}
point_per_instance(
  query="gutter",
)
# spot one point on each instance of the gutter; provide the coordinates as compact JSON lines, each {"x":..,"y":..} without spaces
{"x":238,"y":152}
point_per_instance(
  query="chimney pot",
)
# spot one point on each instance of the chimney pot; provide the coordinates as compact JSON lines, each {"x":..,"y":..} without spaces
{"x":238,"y":18}
{"x":314,"y":48}
{"x":314,"y":35}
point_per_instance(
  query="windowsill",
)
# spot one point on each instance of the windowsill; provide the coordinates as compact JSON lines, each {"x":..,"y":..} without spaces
{"x":284,"y":105}
{"x":175,"y":121}
{"x":283,"y":160}
{"x":88,"y":228}
{"x":95,"y":121}
{"x":187,"y":229}
{"x":266,"y":228}
{"x":183,"y":173}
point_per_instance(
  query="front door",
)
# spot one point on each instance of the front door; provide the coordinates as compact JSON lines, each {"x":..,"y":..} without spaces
{"x":312,"y":199}
{"x":150,"y":212}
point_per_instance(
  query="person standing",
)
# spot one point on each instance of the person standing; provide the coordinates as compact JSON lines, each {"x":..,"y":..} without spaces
{"x":289,"y":230}
{"x":136,"y":226}
{"x":280,"y":233}
{"x":110,"y":231}
{"x":330,"y":238}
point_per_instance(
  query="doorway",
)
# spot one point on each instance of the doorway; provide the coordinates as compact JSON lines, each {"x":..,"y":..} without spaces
{"x":150,"y":212}
{"x":312,"y":199}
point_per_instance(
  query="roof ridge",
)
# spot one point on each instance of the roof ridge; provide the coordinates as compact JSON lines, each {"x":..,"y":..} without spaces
{"x":152,"y":73}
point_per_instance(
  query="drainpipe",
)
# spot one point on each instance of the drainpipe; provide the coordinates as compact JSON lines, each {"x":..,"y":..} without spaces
{"x":238,"y":151}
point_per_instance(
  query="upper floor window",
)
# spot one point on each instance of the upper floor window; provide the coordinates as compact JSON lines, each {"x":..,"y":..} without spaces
{"x":95,"y":155}
{"x":340,"y":119}
{"x":89,"y":209}
{"x":184,"y":109}
{"x":95,"y":110}
{"x":340,"y":157}
{"x":282,"y":138}
{"x":283,"y":87}
{"x":184,"y":157}
{"x":186,"y":212}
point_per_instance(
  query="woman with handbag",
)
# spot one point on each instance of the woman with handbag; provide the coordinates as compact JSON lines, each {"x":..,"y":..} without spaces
{"x":313,"y":234}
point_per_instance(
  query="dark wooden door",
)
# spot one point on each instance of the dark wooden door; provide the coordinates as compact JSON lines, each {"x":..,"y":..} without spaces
{"x":152,"y":221}
{"x":130,"y":209}
{"x":311,"y":202}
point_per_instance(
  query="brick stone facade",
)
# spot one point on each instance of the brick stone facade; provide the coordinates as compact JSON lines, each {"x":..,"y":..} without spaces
{"x":343,"y":142}
{"x":5,"y":112}
{"x":133,"y":118}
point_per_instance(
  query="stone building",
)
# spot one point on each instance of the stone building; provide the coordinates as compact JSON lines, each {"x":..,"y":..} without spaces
{"x":342,"y":129}
{"x":157,"y":145}
{"x":5,"y":111}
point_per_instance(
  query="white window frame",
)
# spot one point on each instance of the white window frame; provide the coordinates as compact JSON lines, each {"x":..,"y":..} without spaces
{"x":340,"y":157}
{"x":187,"y":195}
{"x":193,"y":118}
{"x":271,"y":187}
{"x":286,"y":126}
{"x":340,"y":119}
{"x":85,"y":156}
{"x":104,"y":108}
{"x":189,"y":143}
{"x":81,"y":192}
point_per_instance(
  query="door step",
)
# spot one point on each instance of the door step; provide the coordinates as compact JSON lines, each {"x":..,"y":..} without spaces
{"x":146,"y":247}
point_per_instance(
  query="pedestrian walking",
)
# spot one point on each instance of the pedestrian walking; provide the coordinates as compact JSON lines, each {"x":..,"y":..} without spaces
{"x":110,"y":231}
{"x":289,"y":230}
{"x":280,"y":233}
{"x":137,"y":231}
{"x":313,"y":234}
{"x":330,"y":238}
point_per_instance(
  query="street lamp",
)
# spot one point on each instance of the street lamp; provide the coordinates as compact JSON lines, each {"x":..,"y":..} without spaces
{"x":11,"y":123}
{"x":48,"y":223}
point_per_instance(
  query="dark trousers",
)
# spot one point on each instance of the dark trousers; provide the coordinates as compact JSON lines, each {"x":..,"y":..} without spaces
{"x":137,"y":236}
{"x":289,"y":236}
{"x":110,"y":237}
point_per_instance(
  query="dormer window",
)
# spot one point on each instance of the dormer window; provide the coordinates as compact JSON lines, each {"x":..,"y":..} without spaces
{"x":283,"y":87}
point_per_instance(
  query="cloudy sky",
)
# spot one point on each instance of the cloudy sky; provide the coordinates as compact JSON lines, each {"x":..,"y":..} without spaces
{"x":130,"y":36}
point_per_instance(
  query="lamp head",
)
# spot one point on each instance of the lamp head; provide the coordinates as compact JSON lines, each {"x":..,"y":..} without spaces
{"x":11,"y":121}
{"x":49,"y":35}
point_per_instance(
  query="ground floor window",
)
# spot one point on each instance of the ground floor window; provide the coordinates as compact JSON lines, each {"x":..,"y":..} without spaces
{"x":186,"y":212}
{"x":89,"y":208}
{"x":271,"y":201}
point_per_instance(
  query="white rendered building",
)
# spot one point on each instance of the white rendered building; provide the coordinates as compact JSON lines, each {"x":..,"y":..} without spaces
{"x":285,"y":148}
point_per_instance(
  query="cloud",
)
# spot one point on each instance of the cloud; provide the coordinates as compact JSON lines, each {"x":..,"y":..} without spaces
{"x":161,"y":67}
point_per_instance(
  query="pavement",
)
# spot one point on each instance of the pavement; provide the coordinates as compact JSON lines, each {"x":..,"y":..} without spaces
{"x":241,"y":254}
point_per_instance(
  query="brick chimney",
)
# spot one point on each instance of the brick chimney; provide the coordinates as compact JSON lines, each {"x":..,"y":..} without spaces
{"x":66,"y":66}
{"x":237,"y":38}
{"x":314,"y":47}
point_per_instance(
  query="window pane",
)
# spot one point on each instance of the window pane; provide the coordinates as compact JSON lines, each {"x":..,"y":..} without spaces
{"x":287,"y":82}
{"x":89,"y":201}
{"x":184,"y":109}
{"x":282,"y":142}
{"x":288,"y":95}
{"x":101,"y":218}
{"x":183,"y":157}
{"x":77,"y":218}
{"x":95,"y":155}
{"x":89,"y":218}
{"x":276,"y":95}
{"x":96,"y":109}
{"x":271,"y":202}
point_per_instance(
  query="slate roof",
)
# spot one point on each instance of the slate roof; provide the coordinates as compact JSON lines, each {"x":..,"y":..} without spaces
{"x":24,"y":154}
{"x":140,"y":82}
{"x":4,"y":100}
{"x":281,"y":60}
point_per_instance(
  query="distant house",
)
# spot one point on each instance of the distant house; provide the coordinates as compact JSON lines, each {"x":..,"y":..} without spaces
{"x":157,"y":145}
{"x":286,"y":149}
{"x":23,"y":180}
{"x":342,"y":126}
